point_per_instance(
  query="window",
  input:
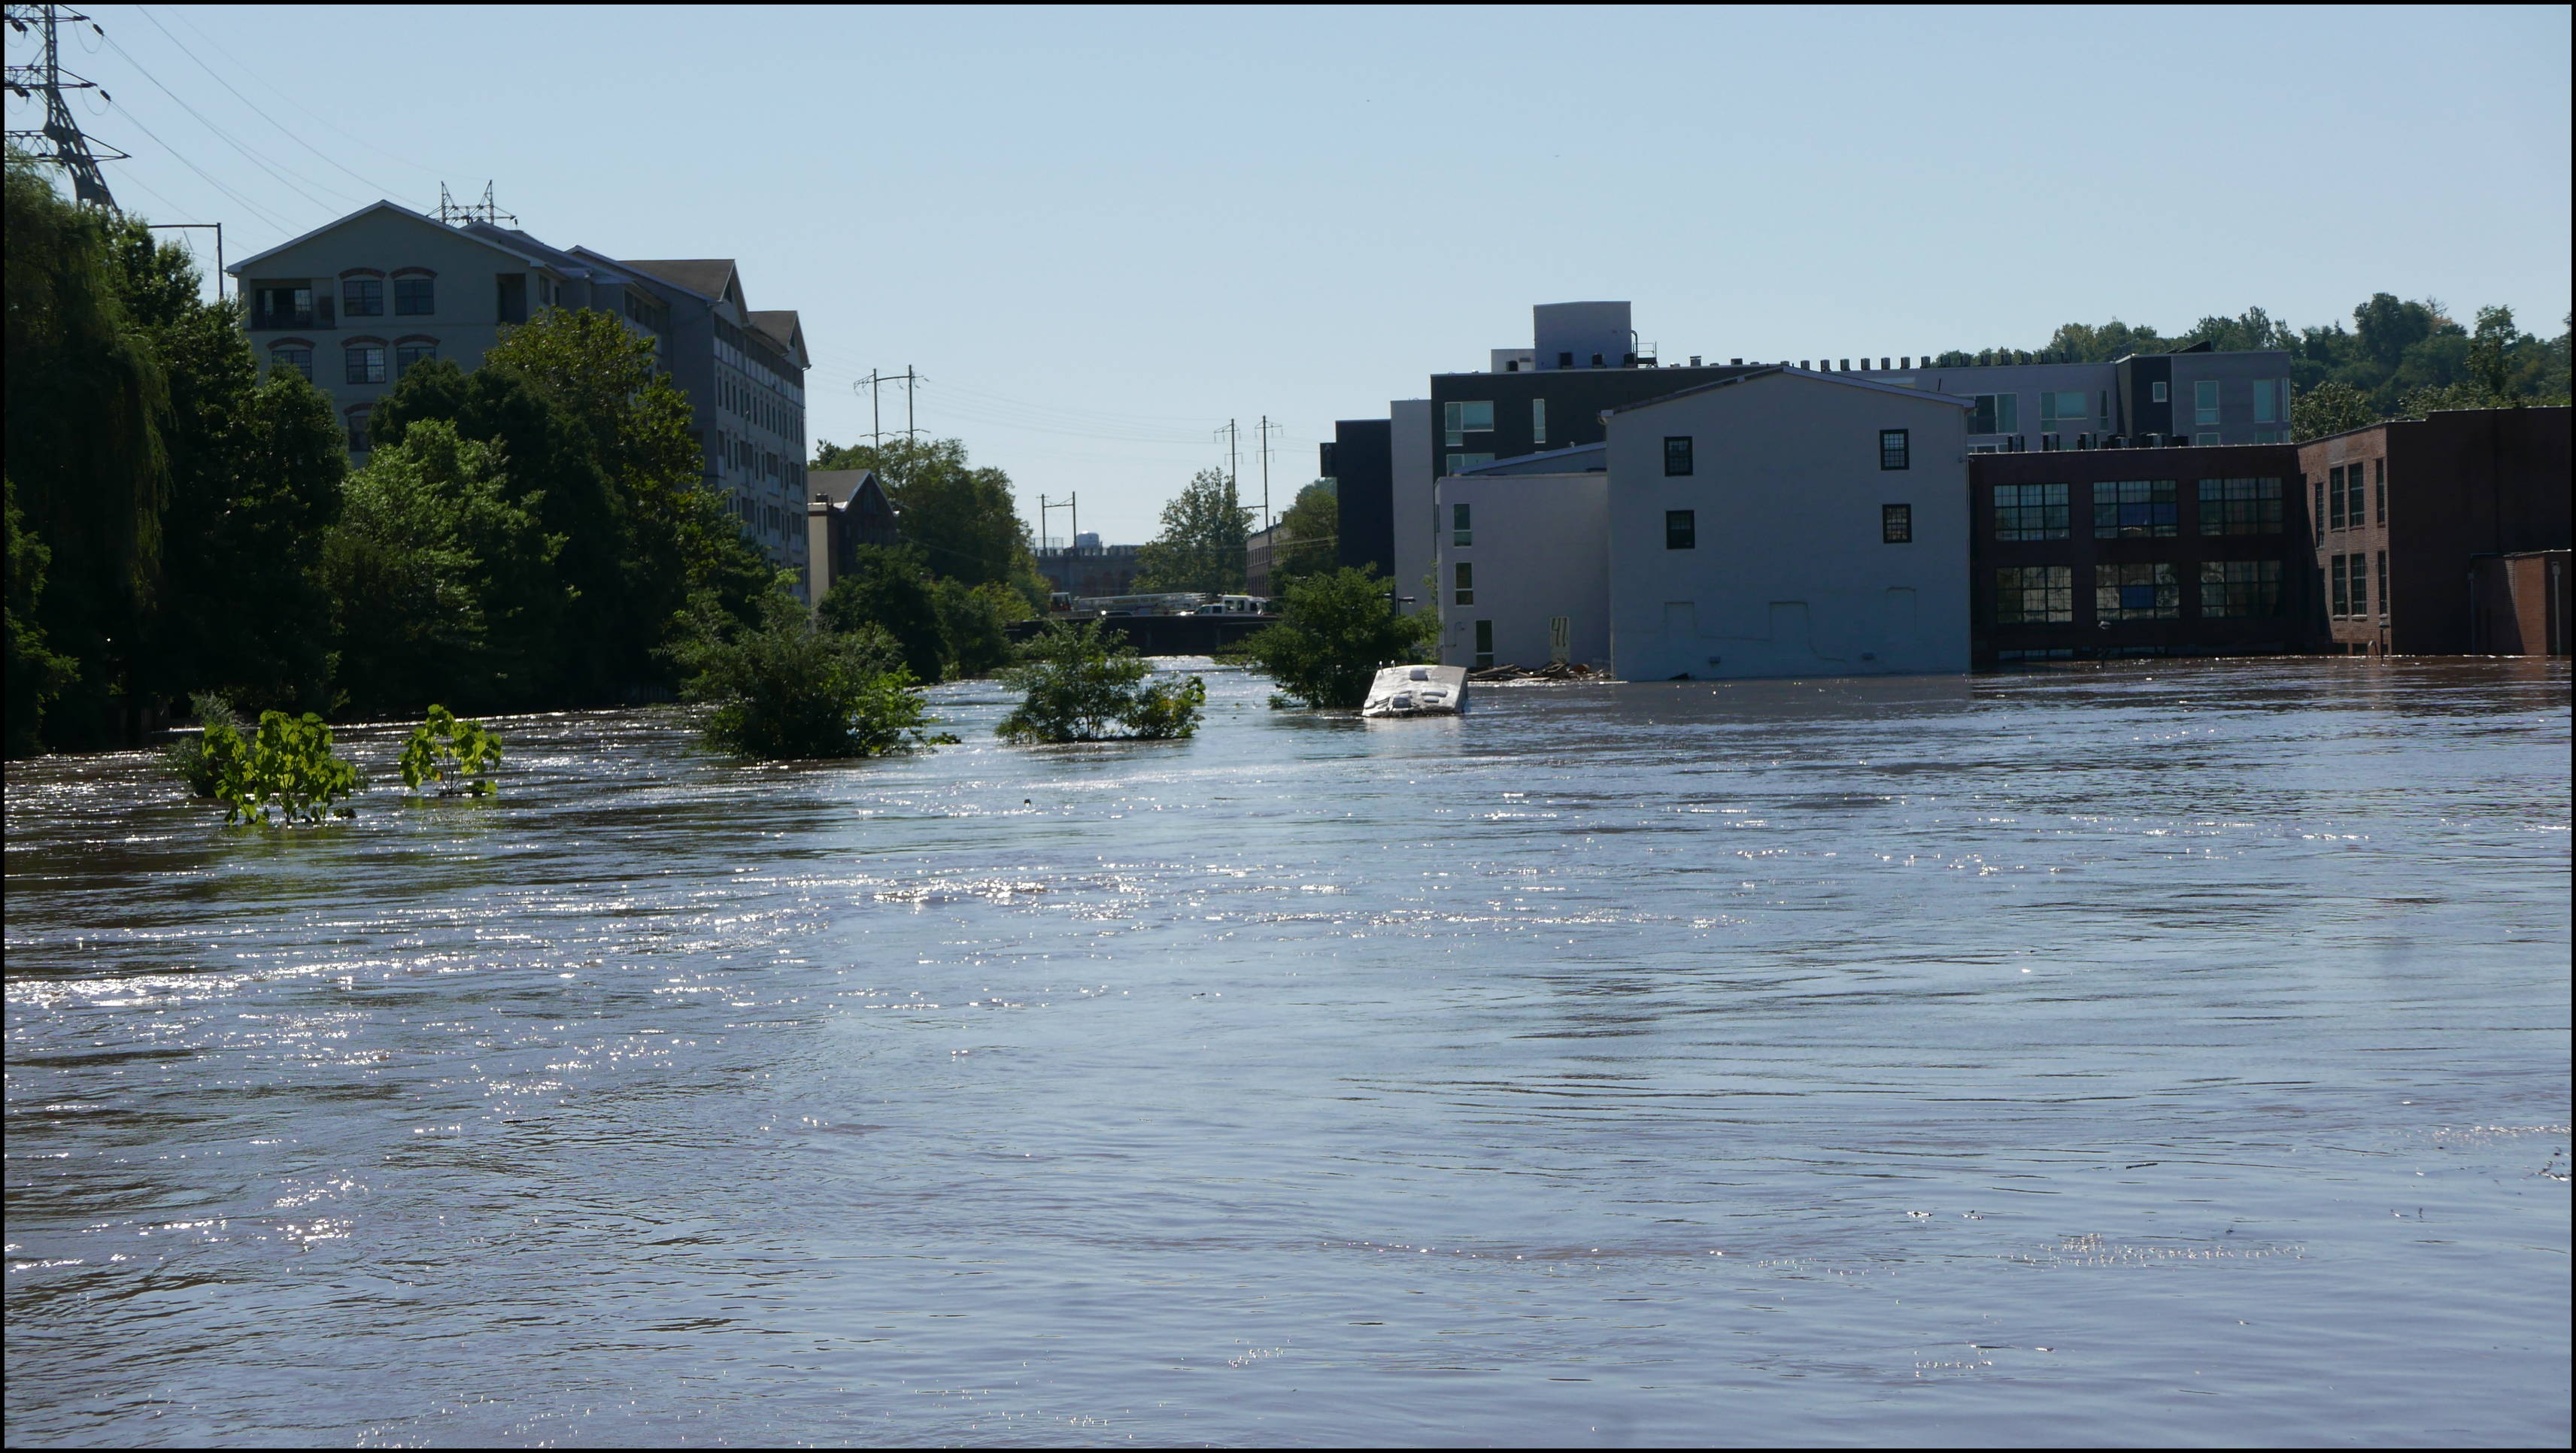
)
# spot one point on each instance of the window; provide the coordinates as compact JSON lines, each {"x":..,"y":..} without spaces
{"x":362,"y":297}
{"x":1538,"y":421}
{"x":415,"y":296}
{"x":282,"y":305}
{"x":1565,"y":360}
{"x":2204,"y":401}
{"x":2353,"y":509}
{"x":2379,"y":498}
{"x":2267,"y":399}
{"x":2342,"y":596}
{"x":2238,"y":589}
{"x":1462,"y":419}
{"x":2157,"y":393}
{"x":411,"y":351}
{"x":2360,"y":567}
{"x":2383,"y":585}
{"x":1896,"y":524}
{"x":357,"y":426}
{"x":2135,"y":509}
{"x":2317,"y":515}
{"x":2334,"y":497}
{"x":299,"y":359}
{"x":1461,"y":463}
{"x":1460,"y":531}
{"x":1465,"y":583}
{"x":511,"y":297}
{"x":1995,"y":414}
{"x":1681,"y":530}
{"x":1893,"y":451}
{"x":2240,"y":506}
{"x":2034,"y":595}
{"x":2030,"y":512}
{"x":1484,"y":645}
{"x":366,"y":362}
{"x":2136,"y":593}
{"x":1677,"y":455}
{"x":2057,"y":408}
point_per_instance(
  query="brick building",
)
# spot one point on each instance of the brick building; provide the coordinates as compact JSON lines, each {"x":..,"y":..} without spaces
{"x":2433,"y":536}
{"x":2190,"y":551}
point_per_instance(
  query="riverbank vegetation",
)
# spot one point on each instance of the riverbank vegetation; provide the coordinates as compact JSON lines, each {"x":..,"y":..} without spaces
{"x":1336,"y":630}
{"x":1078,"y":687}
{"x":785,"y":687}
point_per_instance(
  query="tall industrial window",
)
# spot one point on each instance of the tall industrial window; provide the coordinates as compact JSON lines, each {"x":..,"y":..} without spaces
{"x":1894,"y":450}
{"x":362,"y":297}
{"x":2379,"y":490}
{"x":2382,"y":563}
{"x":2240,"y":588}
{"x":2204,"y":401}
{"x":2342,"y":594}
{"x":366,"y":363}
{"x":2034,"y":595}
{"x":1461,"y":463}
{"x":2353,"y":507}
{"x":2334,"y":498}
{"x":1484,"y":645}
{"x":1681,"y":530}
{"x":2135,"y":509}
{"x":1677,"y":454}
{"x":2058,"y":408}
{"x":2267,"y":399}
{"x":2030,"y":512}
{"x":2240,"y":506}
{"x":1464,"y":583}
{"x":2136,"y":593}
{"x":2359,"y":565}
{"x":1460,"y":531}
{"x":1459,"y":419}
{"x":415,"y":296}
{"x":1538,"y":421}
{"x":1995,"y":414}
{"x":299,"y":359}
{"x":2317,"y":513}
{"x":1896,"y":524}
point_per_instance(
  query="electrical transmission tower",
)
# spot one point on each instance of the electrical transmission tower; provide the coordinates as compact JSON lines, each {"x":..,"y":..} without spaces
{"x":457,"y":214}
{"x":60,"y":141}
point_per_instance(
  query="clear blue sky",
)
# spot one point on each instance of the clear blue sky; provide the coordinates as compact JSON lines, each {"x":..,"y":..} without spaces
{"x":1100,"y":234}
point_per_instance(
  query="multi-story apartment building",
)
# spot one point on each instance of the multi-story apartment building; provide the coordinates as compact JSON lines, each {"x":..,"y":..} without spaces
{"x":2433,"y":536}
{"x":352,"y":304}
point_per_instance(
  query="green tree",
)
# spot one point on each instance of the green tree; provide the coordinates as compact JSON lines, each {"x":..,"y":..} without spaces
{"x":1311,"y":543}
{"x":1337,"y":631}
{"x":785,"y":688}
{"x":1077,"y":687}
{"x":86,"y":407}
{"x":1202,"y":544}
{"x":887,"y":588}
{"x":443,"y":579}
{"x":974,"y":621}
{"x":36,"y":674}
{"x":961,"y":516}
{"x":2329,"y":408}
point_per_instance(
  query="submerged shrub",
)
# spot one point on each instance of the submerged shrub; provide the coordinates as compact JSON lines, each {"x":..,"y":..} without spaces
{"x":1076,"y":687}
{"x":1335,"y":633}
{"x":288,"y":766}
{"x":186,"y":758}
{"x":450,"y":751}
{"x":787,"y":689}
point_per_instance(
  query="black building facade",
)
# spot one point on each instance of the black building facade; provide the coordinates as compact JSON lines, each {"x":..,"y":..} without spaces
{"x":1361,"y":463}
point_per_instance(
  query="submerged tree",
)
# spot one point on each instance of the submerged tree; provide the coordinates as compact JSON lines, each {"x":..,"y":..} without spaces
{"x":786,"y":688}
{"x":1077,"y":687}
{"x":1337,"y":631}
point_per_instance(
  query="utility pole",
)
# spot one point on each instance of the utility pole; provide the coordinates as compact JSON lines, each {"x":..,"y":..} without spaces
{"x":1069,"y":503}
{"x":60,"y":140}
{"x":218,"y":229}
{"x":876,"y":414}
{"x":456,"y":214}
{"x":1232,"y":453}
{"x":1266,"y":428}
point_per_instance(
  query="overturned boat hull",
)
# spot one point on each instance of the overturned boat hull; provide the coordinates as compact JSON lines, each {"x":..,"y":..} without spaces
{"x":1417,"y":691}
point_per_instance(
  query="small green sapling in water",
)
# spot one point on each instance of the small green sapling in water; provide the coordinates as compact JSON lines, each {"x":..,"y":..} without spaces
{"x":458,"y":754}
{"x":288,"y":766}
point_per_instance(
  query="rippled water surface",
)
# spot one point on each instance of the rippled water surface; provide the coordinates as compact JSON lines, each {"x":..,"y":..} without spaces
{"x":2168,"y":1054}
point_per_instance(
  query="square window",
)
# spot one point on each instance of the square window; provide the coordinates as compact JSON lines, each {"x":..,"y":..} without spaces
{"x":2135,"y":509}
{"x":1994,"y":414}
{"x":1464,"y":583}
{"x":2157,"y":393}
{"x":2136,"y":593}
{"x":407,"y":354}
{"x":2030,"y":512}
{"x":2240,"y":506}
{"x":2034,"y":595}
{"x":1892,"y":449}
{"x":2058,"y":407}
{"x":415,"y":297}
{"x":362,"y":297}
{"x":1681,"y":530}
{"x":366,"y":364}
{"x":299,"y":359}
{"x":2233,"y":589}
{"x":1677,"y":454}
{"x":1460,"y":532}
{"x":1460,"y":419}
{"x":1896,"y":524}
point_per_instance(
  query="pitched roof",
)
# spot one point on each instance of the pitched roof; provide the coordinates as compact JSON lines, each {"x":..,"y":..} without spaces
{"x":782,"y":328}
{"x":1581,"y":457}
{"x":1783,"y":370}
{"x":708,"y":277}
{"x":495,"y":243}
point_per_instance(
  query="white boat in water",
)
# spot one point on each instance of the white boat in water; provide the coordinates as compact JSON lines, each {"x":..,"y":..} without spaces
{"x":1417,"y":691}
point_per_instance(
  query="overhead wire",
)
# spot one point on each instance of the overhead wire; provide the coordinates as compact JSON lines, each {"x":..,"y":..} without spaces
{"x":255,"y":106}
{"x":220,"y":134}
{"x":290,"y":99}
{"x":245,"y":203}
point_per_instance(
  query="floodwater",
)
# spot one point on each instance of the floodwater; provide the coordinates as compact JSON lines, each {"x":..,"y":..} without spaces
{"x":2153,"y":1054}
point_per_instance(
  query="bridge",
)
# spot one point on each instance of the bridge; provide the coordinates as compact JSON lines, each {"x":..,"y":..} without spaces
{"x":1165,"y":635}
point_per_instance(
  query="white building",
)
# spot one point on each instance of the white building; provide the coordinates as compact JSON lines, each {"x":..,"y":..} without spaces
{"x":1780,"y":522}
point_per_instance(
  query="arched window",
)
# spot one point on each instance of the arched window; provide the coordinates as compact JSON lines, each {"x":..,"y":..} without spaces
{"x":408,"y":351}
{"x":415,"y":292}
{"x":366,"y":360}
{"x":356,"y":415}
{"x":294,"y":353}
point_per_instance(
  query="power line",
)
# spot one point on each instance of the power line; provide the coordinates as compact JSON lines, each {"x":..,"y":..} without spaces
{"x":291,"y":100}
{"x":265,"y":215}
{"x":253,"y":105}
{"x":226,"y":137}
{"x":71,"y":150}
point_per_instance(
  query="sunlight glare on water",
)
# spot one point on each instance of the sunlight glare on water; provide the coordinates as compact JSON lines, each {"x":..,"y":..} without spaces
{"x":2168,"y":1053}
